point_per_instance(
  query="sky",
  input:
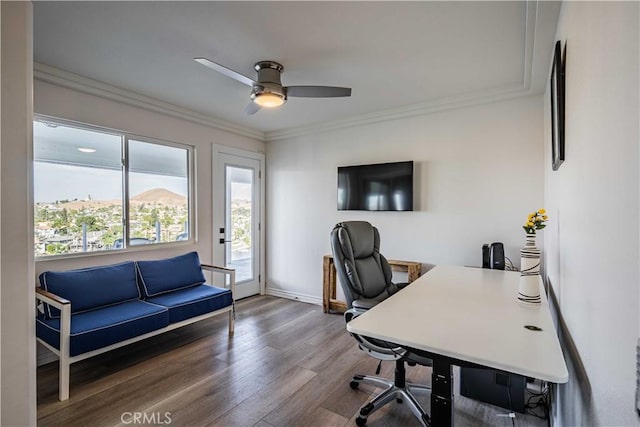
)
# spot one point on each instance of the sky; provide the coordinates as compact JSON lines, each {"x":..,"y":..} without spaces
{"x":59,"y":182}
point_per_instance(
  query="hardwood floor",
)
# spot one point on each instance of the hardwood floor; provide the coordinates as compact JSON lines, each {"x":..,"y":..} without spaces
{"x":288,"y":364}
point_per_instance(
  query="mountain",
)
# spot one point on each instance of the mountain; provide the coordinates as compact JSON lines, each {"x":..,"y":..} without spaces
{"x":161,"y":196}
{"x":158,"y":196}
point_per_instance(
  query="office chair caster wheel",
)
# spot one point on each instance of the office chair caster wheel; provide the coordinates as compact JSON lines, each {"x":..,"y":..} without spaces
{"x":361,"y":421}
{"x":354,"y":385}
{"x":365,"y":410}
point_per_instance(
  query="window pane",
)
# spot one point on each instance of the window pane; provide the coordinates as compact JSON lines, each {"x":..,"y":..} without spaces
{"x":240,"y":214}
{"x":77,"y":189}
{"x":158,"y":193}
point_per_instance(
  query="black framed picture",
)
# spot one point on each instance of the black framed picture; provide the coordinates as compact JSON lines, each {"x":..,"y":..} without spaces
{"x":557,"y":107}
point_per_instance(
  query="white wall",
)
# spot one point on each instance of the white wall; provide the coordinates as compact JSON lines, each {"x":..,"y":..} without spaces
{"x":16,"y":264}
{"x":478,"y":174}
{"x":591,"y":245}
{"x":0,"y":208}
{"x":70,"y":104}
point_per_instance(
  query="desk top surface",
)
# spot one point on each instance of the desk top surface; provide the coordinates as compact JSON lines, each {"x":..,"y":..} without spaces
{"x":470,"y":314}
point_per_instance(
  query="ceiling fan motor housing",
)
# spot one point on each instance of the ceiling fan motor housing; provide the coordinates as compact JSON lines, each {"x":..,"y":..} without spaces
{"x":268,"y":80}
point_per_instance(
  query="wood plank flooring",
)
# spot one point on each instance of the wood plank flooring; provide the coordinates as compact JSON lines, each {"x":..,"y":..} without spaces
{"x":288,"y":364}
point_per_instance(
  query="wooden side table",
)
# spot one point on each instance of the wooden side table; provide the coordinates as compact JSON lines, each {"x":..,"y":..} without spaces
{"x":329,"y":281}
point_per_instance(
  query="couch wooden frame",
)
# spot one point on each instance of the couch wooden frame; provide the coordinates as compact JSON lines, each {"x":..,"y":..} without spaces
{"x":64,"y":305}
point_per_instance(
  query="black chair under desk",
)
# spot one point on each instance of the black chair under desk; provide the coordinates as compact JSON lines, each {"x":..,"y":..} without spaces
{"x":366,"y":279}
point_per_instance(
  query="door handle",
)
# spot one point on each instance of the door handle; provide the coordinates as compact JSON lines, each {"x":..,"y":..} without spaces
{"x":222,"y":241}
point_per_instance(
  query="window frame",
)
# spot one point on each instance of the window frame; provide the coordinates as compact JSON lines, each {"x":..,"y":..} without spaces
{"x":125,"y":137}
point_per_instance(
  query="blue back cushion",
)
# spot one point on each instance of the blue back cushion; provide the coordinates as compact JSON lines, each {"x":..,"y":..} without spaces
{"x":166,"y":275}
{"x":93,"y":287}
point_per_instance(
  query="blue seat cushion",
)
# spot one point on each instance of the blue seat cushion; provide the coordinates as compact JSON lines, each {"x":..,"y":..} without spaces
{"x":93,"y":287}
{"x":166,"y":275}
{"x":104,"y":326}
{"x":191,"y":302}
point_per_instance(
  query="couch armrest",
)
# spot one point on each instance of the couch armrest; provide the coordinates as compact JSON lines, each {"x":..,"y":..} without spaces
{"x":216,"y":268}
{"x":65,"y":336}
{"x":230,"y":271}
{"x":232,"y":287}
{"x":51,"y":298}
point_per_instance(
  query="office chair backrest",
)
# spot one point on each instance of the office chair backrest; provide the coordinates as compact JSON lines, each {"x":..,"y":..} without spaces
{"x":362,"y":270}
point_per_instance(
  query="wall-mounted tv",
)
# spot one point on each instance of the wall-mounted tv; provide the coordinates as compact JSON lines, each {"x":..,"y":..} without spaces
{"x":377,"y":187}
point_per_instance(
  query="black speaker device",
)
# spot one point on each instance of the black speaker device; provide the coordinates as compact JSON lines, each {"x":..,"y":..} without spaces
{"x":486,"y":256}
{"x":493,"y":256}
{"x":497,"y":256}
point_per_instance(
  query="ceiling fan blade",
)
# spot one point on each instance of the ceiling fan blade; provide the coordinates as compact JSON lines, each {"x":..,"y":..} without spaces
{"x":226,"y":71}
{"x":318,"y":91}
{"x":252,"y":108}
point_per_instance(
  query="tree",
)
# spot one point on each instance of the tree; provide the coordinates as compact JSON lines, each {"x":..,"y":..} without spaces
{"x":41,"y":213}
{"x":152,"y":218}
{"x":61,"y":221}
{"x":112,"y":234}
{"x":57,"y":249}
{"x":92,"y":223}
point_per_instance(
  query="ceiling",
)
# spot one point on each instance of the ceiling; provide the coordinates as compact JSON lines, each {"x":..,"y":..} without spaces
{"x":399,"y":57}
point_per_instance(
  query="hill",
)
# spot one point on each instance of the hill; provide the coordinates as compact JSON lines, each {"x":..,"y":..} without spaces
{"x":160,"y":196}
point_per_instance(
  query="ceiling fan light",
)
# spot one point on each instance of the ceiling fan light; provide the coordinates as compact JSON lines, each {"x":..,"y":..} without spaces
{"x":269,"y":100}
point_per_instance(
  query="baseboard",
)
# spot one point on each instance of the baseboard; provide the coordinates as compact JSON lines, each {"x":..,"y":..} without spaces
{"x":294,"y":296}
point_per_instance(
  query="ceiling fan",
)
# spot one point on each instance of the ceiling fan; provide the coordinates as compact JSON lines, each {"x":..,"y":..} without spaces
{"x":268,"y":91}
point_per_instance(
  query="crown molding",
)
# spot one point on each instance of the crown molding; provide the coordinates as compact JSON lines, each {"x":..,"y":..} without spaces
{"x":467,"y":100}
{"x":400,"y":113}
{"x":56,"y":76}
{"x":80,"y":83}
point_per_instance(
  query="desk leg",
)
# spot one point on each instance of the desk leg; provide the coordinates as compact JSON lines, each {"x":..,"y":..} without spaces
{"x":326,"y":283}
{"x":441,"y":393}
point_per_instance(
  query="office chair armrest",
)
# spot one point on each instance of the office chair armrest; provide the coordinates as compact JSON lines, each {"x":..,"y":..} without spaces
{"x":352,"y":313}
{"x":363,"y":304}
{"x":381,"y":349}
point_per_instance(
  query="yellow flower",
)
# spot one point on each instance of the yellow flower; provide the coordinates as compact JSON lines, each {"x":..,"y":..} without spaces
{"x":535,"y":221}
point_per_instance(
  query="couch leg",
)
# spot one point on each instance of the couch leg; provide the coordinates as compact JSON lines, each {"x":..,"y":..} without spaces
{"x":65,"y":344}
{"x":63,"y":383}
{"x":231,"y":320}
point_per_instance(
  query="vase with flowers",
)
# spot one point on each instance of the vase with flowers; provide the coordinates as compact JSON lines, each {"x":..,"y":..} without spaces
{"x":529,"y":290}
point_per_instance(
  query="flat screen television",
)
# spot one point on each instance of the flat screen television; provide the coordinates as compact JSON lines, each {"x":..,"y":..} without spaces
{"x":377,"y":187}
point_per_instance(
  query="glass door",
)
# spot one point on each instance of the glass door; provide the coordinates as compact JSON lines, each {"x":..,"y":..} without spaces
{"x":237,"y":219}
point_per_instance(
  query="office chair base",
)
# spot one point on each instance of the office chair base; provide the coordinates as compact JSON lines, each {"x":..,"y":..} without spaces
{"x":399,"y":390}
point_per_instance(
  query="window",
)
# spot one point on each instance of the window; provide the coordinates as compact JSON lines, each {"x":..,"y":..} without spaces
{"x":158,"y":189}
{"x":96,"y":190}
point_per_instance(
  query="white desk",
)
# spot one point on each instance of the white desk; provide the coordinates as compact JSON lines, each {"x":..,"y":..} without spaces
{"x":467,"y":316}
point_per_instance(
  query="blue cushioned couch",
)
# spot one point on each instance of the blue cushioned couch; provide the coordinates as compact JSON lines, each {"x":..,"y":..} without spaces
{"x":89,"y":311}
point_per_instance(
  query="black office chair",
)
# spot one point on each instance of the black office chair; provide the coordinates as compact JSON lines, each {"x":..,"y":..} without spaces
{"x":365,"y":276}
